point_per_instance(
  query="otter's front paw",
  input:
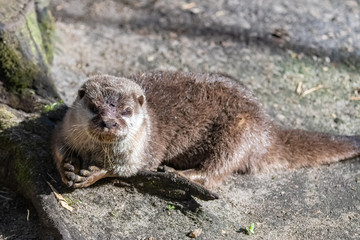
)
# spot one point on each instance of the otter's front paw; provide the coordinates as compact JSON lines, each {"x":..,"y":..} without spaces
{"x":68,"y":174}
{"x":89,"y":176}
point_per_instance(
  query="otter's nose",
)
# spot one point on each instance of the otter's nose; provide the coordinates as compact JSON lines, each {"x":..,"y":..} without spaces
{"x":109,"y":124}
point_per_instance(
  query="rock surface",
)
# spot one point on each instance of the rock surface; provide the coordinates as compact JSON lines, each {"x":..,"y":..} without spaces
{"x":274,"y":47}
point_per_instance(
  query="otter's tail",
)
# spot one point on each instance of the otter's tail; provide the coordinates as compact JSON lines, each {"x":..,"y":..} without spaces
{"x":301,"y":148}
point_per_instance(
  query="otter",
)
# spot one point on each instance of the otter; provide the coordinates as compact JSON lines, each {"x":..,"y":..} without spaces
{"x":207,"y":126}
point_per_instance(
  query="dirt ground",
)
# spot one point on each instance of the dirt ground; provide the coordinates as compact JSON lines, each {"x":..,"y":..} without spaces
{"x":301,"y":59}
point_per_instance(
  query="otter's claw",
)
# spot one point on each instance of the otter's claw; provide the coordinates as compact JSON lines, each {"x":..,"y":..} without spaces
{"x":89,"y":176}
{"x":85,"y":173}
{"x":67,"y":174}
{"x":69,"y":167}
{"x":70,"y":175}
{"x":80,"y":179}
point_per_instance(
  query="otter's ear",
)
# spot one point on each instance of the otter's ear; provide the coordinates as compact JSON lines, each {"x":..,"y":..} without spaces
{"x":81,"y":93}
{"x":141,"y":100}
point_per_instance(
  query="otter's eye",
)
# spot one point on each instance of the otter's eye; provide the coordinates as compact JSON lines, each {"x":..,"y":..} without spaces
{"x":126,"y":112}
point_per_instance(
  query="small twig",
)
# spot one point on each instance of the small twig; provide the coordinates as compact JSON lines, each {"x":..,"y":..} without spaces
{"x":188,"y":6}
{"x":28,"y":215}
{"x":354,"y":98}
{"x":311,"y":90}
{"x":5,"y":197}
{"x":60,"y":198}
{"x":51,"y":177}
{"x":299,"y":88}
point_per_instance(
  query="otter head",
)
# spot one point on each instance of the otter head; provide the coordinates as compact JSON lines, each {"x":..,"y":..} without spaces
{"x":113,"y":107}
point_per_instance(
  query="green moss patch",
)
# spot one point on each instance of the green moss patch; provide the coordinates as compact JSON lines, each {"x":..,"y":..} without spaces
{"x":7,"y":119}
{"x":52,"y":107}
{"x":14,"y":72}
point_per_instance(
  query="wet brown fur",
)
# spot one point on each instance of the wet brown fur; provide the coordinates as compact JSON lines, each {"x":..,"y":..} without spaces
{"x":210,"y":126}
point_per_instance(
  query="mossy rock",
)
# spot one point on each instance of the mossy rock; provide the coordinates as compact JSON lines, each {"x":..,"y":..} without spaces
{"x":26,"y":32}
{"x":26,"y":49}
